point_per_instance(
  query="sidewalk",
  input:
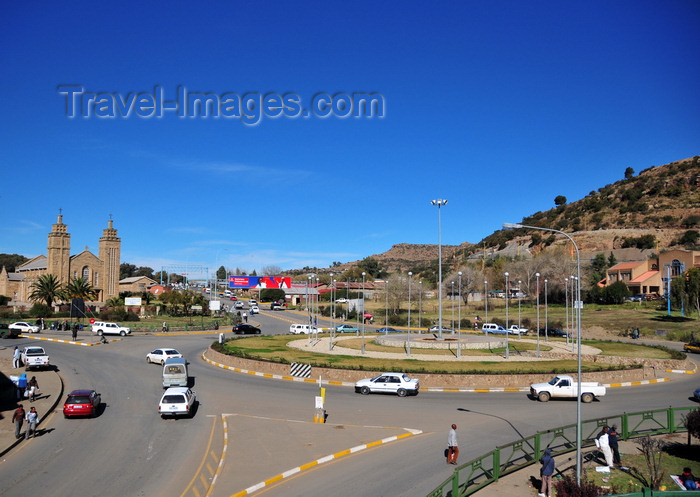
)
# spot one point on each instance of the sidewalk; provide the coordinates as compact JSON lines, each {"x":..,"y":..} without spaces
{"x":50,"y":387}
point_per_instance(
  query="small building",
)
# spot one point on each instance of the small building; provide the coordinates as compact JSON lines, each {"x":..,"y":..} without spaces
{"x":136,"y":284}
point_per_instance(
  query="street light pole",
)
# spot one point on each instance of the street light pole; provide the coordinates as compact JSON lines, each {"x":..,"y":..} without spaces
{"x":420,"y":305}
{"x":546,"y":313}
{"x":459,"y":318}
{"x":520,"y":296}
{"x":538,"y":313}
{"x":439,"y":202}
{"x":507,"y":295}
{"x":578,"y":305}
{"x":363,"y":312}
{"x":452,"y":298}
{"x":332,"y":330}
{"x":408,"y":337}
{"x":486,"y":294}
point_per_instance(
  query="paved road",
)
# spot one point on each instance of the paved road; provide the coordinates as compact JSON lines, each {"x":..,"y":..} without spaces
{"x":249,"y":429}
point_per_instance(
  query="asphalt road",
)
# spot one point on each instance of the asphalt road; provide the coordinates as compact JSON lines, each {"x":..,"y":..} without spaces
{"x":249,"y":429}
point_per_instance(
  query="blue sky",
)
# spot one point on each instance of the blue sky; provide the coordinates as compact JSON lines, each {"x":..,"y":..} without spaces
{"x":497,"y":106}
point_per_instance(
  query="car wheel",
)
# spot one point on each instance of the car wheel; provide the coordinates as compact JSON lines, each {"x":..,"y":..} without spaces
{"x":543,"y":396}
{"x":99,"y":332}
{"x":587,"y":397}
{"x":148,"y":360}
{"x":162,"y":362}
{"x":401,"y":392}
{"x":122,"y":333}
{"x":364,"y":390}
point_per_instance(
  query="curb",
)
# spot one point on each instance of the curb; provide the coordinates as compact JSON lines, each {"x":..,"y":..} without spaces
{"x":323,"y":460}
{"x":41,"y":420}
{"x":427,"y":389}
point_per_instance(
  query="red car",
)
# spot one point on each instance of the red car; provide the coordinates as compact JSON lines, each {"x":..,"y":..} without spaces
{"x":82,"y":403}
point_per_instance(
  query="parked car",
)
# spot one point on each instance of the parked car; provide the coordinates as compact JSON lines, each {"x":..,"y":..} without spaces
{"x":388,"y":329}
{"x":34,"y":357}
{"x":636,"y":298}
{"x":693,"y":347}
{"x":341,"y":300}
{"x":396,"y":383}
{"x":436,"y":329}
{"x":7,"y":332}
{"x":493,"y":328}
{"x":276,"y":306}
{"x":346,"y":328}
{"x":103,"y":328}
{"x":177,"y":401}
{"x":302,"y":329}
{"x":696,"y":394}
{"x":246,"y":329}
{"x":517,"y":330}
{"x":24,"y":327}
{"x":553,"y":332}
{"x":159,"y":356}
{"x":82,"y":403}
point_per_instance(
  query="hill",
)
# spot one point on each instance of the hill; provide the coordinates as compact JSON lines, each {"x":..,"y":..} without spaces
{"x":657,"y":209}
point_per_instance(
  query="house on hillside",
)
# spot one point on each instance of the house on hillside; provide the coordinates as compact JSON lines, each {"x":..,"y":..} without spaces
{"x":649,"y":276}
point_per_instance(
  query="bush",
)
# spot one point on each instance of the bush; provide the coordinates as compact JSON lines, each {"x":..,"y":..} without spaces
{"x":567,"y":487}
{"x":40,"y":311}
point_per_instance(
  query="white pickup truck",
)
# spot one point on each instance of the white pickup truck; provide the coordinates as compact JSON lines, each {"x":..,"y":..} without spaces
{"x":564,"y":386}
{"x":517,"y":330}
{"x":34,"y":357}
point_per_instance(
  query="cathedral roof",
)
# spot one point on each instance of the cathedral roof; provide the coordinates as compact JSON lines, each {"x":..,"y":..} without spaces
{"x":38,"y":262}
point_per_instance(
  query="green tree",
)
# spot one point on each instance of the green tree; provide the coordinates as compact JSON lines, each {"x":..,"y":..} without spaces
{"x":372,"y":267}
{"x":559,"y":200}
{"x":629,"y":173}
{"x":611,"y":260}
{"x":46,"y":289}
{"x":692,"y":422}
{"x":221,"y":273}
{"x":599,"y":266}
{"x":79,"y":288}
{"x":11,"y":261}
{"x":144,"y":271}
{"x":616,"y":293}
{"x":272,"y":294}
{"x":126,"y":270}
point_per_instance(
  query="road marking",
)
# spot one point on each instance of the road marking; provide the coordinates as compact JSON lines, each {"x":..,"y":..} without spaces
{"x":198,"y":474}
{"x":224,"y":451}
{"x":328,"y":458}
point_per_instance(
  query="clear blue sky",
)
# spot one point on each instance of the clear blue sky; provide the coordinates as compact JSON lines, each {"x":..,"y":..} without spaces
{"x":497,"y":106}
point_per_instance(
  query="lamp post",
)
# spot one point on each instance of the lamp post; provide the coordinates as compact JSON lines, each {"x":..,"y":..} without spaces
{"x":459,"y":317}
{"x":439,"y":202}
{"x":486,"y":306}
{"x":408,"y":336}
{"x":332,"y":333}
{"x":507,"y":295}
{"x":578,"y":305}
{"x":452,"y":298}
{"x":546,"y":313}
{"x":520,"y":296}
{"x":363,"y":312}
{"x":574,"y":283}
{"x":537,"y":275}
{"x":420,"y":305}
{"x":566,"y":306}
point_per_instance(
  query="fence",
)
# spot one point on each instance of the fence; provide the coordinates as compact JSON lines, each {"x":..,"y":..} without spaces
{"x":477,"y":473}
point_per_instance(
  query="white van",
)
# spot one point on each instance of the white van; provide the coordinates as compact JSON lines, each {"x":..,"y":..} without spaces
{"x":175,"y":372}
{"x":302,"y":329}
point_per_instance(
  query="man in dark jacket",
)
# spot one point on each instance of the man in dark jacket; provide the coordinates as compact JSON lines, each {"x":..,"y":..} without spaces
{"x":612,"y":441}
{"x":547,"y":471}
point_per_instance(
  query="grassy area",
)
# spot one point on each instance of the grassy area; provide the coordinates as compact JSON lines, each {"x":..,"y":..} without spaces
{"x":274,"y":348}
{"x":675,"y":457}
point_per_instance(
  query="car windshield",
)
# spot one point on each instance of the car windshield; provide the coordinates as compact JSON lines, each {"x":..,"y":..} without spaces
{"x":554,"y":380}
{"x":35,"y":352}
{"x":174,"y":399}
{"x":78,"y":399}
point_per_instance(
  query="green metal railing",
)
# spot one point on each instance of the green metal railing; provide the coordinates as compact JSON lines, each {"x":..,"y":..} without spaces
{"x":488,"y":468}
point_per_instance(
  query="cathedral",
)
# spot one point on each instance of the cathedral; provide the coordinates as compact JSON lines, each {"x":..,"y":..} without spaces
{"x":101,"y":271}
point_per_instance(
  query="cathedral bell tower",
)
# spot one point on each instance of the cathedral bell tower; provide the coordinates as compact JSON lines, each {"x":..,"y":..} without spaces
{"x":109,"y":254}
{"x":58,"y":251}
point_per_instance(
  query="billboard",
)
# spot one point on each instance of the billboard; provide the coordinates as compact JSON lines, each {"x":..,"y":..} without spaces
{"x":259,"y":282}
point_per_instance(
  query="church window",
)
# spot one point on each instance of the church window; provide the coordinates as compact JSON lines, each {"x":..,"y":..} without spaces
{"x":86,"y":273}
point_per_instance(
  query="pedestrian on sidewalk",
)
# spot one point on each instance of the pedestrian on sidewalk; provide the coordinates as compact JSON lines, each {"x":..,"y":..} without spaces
{"x":32,"y":421}
{"x":603,"y":443}
{"x":18,"y":420}
{"x":21,"y":385}
{"x":612,"y":440}
{"x":75,"y":331}
{"x":546,"y":472}
{"x":16,"y":357}
{"x":452,"y":446}
{"x":33,"y":386}
{"x":245,"y":317}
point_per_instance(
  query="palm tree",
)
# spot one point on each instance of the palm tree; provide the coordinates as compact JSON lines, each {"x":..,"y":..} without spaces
{"x":46,"y":289}
{"x":79,"y":288}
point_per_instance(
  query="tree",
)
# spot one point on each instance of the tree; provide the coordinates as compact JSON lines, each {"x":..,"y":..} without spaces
{"x":79,"y":288}
{"x":599,"y":268}
{"x":221,"y":273}
{"x":11,"y":261}
{"x":46,"y":289}
{"x":272,"y":294}
{"x":629,"y":173}
{"x":615,"y":293}
{"x":692,"y":422}
{"x":372,"y":267}
{"x":126,"y":270}
{"x":611,"y":260}
{"x":270,"y":270}
{"x":559,"y":200}
{"x":144,"y":271}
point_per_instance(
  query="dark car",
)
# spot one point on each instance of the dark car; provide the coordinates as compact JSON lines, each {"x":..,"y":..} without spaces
{"x":82,"y":403}
{"x":246,"y":329}
{"x":6,"y":332}
{"x":692,"y":347}
{"x":276,"y":306}
{"x":553,"y":332}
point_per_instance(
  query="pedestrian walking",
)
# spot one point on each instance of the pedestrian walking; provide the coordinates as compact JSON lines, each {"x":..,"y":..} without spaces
{"x":612,"y":441}
{"x":32,"y":421}
{"x":21,"y":385}
{"x":452,"y":446}
{"x":18,"y":420}
{"x":75,"y":331}
{"x":603,"y":443}
{"x":245,"y":317}
{"x":546,"y":473}
{"x":33,"y":386}
{"x":165,"y":326}
{"x":16,"y":357}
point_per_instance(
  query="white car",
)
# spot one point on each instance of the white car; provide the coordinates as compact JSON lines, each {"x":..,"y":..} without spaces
{"x":102,"y":328}
{"x":302,"y":329}
{"x":177,"y":401}
{"x":396,"y":383}
{"x":254,"y":309}
{"x":341,"y":300}
{"x":23,"y":327}
{"x":159,"y":356}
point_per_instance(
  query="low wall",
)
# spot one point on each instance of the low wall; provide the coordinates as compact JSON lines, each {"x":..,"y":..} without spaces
{"x":452,"y":380}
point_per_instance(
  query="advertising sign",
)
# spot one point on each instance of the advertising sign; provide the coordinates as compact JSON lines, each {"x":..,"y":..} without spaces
{"x":259,"y":282}
{"x":214,"y":305}
{"x":132,"y":301}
